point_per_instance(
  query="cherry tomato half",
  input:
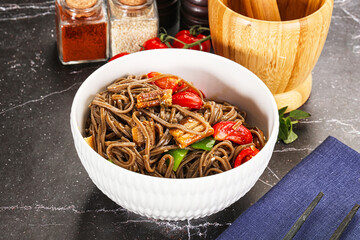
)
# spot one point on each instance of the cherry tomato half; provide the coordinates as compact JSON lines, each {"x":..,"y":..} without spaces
{"x":225,"y":131}
{"x":172,"y":83}
{"x":187,"y":99}
{"x":245,"y":155}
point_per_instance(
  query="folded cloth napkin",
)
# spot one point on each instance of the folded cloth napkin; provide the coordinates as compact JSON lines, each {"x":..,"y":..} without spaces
{"x":332,"y":168}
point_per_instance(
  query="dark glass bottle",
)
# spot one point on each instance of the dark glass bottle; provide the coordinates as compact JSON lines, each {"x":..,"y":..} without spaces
{"x":168,"y":12}
{"x":194,"y":12}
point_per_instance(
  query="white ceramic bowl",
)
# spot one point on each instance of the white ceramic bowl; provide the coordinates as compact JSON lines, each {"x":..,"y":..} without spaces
{"x":178,"y":199}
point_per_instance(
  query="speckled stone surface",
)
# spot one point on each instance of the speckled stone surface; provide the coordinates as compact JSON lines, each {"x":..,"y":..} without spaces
{"x":45,"y":192}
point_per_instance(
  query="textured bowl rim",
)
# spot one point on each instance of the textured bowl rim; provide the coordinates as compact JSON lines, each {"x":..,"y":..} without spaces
{"x":272,"y":129}
{"x":289,"y":22}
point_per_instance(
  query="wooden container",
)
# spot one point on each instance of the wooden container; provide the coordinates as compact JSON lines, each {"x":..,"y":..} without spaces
{"x":281,"y":53}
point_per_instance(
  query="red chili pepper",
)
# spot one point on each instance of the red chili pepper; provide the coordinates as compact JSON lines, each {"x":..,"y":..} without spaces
{"x":225,"y":131}
{"x":155,"y":43}
{"x":187,"y":99}
{"x":245,"y":155}
{"x":186,"y":37}
{"x":118,"y":55}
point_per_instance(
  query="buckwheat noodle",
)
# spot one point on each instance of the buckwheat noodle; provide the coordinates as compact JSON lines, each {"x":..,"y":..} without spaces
{"x":113,"y":114}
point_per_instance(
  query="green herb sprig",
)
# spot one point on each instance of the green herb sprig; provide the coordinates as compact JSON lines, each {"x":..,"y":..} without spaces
{"x":286,"y":133}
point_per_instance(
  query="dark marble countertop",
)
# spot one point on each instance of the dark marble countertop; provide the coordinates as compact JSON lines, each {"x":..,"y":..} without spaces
{"x":45,"y":192}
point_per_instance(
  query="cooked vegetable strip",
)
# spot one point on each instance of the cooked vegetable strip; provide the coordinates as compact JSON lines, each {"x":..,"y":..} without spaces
{"x":154,"y":98}
{"x":185,"y":139}
{"x":178,"y":155}
{"x":204,"y":144}
{"x":90,"y":141}
{"x":139,"y":137}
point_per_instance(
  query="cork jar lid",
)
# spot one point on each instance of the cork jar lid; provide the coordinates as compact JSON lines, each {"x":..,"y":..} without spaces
{"x":81,"y":4}
{"x":133,"y":2}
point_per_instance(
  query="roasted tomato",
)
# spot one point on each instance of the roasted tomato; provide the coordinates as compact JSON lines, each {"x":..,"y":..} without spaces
{"x":172,"y":83}
{"x":245,"y":155}
{"x":225,"y":131}
{"x":187,"y":99}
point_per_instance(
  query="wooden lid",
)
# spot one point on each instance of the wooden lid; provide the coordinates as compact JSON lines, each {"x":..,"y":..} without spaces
{"x":81,"y":4}
{"x":133,"y":2}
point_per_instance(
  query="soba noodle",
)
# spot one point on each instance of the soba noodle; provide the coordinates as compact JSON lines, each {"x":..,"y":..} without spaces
{"x":113,"y":114}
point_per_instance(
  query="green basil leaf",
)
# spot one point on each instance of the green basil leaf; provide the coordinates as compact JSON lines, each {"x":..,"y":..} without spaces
{"x":283,"y":130}
{"x":288,"y":123}
{"x":286,"y":133}
{"x":282,"y":111}
{"x":299,"y":114}
{"x":292,"y":137}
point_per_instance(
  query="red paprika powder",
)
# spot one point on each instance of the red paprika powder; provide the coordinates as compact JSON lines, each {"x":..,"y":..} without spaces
{"x":82,"y":32}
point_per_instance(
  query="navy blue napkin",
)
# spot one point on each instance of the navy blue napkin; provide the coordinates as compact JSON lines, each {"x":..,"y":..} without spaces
{"x":332,"y":168}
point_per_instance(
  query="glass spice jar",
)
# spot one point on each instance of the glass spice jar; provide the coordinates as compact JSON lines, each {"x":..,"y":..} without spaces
{"x":82,"y":31}
{"x":132,"y":22}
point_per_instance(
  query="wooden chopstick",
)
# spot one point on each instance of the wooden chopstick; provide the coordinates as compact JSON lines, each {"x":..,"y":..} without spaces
{"x":341,"y":228}
{"x":295,"y":228}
